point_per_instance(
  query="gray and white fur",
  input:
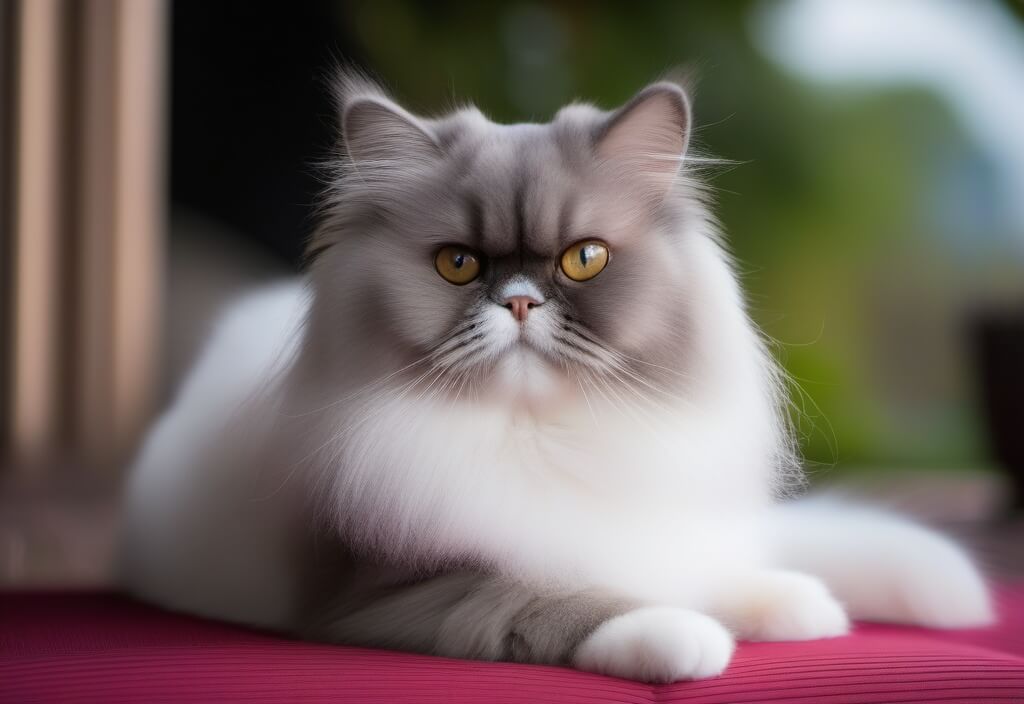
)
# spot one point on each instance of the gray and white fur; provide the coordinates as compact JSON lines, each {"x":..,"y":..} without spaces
{"x":525,"y":467}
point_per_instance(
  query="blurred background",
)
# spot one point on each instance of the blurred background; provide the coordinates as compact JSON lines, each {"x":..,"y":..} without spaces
{"x":156,"y":158}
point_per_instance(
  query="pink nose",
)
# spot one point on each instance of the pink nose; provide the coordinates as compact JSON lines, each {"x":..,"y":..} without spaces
{"x":520,"y":306}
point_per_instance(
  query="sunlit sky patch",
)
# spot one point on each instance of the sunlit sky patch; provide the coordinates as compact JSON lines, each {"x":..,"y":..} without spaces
{"x":969,"y":52}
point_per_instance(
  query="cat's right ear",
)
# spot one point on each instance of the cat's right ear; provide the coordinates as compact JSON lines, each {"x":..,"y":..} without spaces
{"x":376,"y":131}
{"x":647,"y":137}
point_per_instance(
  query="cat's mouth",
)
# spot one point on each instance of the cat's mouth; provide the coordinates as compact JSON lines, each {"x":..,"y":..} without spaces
{"x":557,"y":344}
{"x":549,"y":354}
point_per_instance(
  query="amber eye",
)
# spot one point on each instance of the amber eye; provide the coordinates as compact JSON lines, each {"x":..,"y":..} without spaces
{"x":585,"y":260}
{"x":457,"y":265}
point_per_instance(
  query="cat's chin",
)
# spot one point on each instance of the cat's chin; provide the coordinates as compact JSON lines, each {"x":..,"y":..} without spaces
{"x":525,"y":377}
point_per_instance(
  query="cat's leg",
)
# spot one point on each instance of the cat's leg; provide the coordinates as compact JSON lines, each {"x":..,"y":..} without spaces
{"x":468,"y":615}
{"x":880,"y":566}
{"x":773,"y":605}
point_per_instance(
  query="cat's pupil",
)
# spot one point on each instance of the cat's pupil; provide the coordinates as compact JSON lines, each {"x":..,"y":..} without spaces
{"x":584,"y":255}
{"x":459,"y":260}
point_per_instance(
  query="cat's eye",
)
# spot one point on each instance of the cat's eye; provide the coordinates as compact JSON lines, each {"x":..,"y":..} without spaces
{"x":585,"y":260}
{"x":457,"y":265}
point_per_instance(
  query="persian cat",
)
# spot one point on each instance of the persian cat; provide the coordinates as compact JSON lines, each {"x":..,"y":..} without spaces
{"x":514,"y":410}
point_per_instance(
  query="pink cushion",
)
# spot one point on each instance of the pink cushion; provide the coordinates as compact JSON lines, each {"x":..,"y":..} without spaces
{"x":105,"y":648}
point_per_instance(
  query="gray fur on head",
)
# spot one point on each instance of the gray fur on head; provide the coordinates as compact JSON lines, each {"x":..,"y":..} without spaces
{"x":402,"y":186}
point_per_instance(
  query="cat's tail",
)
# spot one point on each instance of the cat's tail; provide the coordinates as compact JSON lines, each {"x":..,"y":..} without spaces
{"x":880,"y":566}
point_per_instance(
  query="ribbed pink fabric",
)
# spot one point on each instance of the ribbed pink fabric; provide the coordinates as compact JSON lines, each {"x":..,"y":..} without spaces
{"x":106,"y":649}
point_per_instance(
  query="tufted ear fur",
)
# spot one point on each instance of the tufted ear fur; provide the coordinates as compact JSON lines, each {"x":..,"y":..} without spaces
{"x":376,"y":130}
{"x":647,"y":137}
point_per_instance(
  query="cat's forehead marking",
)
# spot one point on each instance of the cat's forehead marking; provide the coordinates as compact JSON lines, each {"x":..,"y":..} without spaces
{"x":519,"y":193}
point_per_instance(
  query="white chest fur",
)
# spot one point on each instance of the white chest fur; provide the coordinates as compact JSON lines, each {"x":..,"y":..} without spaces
{"x":656,"y":502}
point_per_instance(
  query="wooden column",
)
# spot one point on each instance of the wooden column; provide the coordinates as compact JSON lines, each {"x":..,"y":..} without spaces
{"x":87,"y":237}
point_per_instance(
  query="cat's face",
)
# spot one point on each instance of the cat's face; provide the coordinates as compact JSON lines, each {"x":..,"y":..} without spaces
{"x":542,"y":259}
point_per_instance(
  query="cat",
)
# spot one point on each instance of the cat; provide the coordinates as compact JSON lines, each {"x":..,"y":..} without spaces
{"x":514,"y":410}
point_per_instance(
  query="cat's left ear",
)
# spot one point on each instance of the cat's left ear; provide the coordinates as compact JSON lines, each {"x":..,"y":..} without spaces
{"x":647,"y":137}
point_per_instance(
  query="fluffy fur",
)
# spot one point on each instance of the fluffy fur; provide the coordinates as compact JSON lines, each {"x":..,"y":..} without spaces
{"x":374,"y":455}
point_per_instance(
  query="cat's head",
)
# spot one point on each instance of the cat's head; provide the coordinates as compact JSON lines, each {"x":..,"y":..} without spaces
{"x":537,"y":258}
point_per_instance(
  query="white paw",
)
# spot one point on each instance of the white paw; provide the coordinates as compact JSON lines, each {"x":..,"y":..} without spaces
{"x":777,"y":605}
{"x":657,"y":644}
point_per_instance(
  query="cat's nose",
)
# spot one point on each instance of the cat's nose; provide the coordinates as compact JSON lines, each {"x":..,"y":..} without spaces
{"x":520,"y":306}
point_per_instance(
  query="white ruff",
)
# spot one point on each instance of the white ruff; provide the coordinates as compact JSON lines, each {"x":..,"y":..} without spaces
{"x":594,"y":497}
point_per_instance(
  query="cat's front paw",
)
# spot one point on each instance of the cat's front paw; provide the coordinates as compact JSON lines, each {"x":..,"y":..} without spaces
{"x":778,"y":605}
{"x":657,"y":644}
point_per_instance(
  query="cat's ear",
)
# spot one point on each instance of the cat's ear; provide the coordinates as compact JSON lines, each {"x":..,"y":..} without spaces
{"x":379,"y":132}
{"x":376,"y":131}
{"x":647,"y":137}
